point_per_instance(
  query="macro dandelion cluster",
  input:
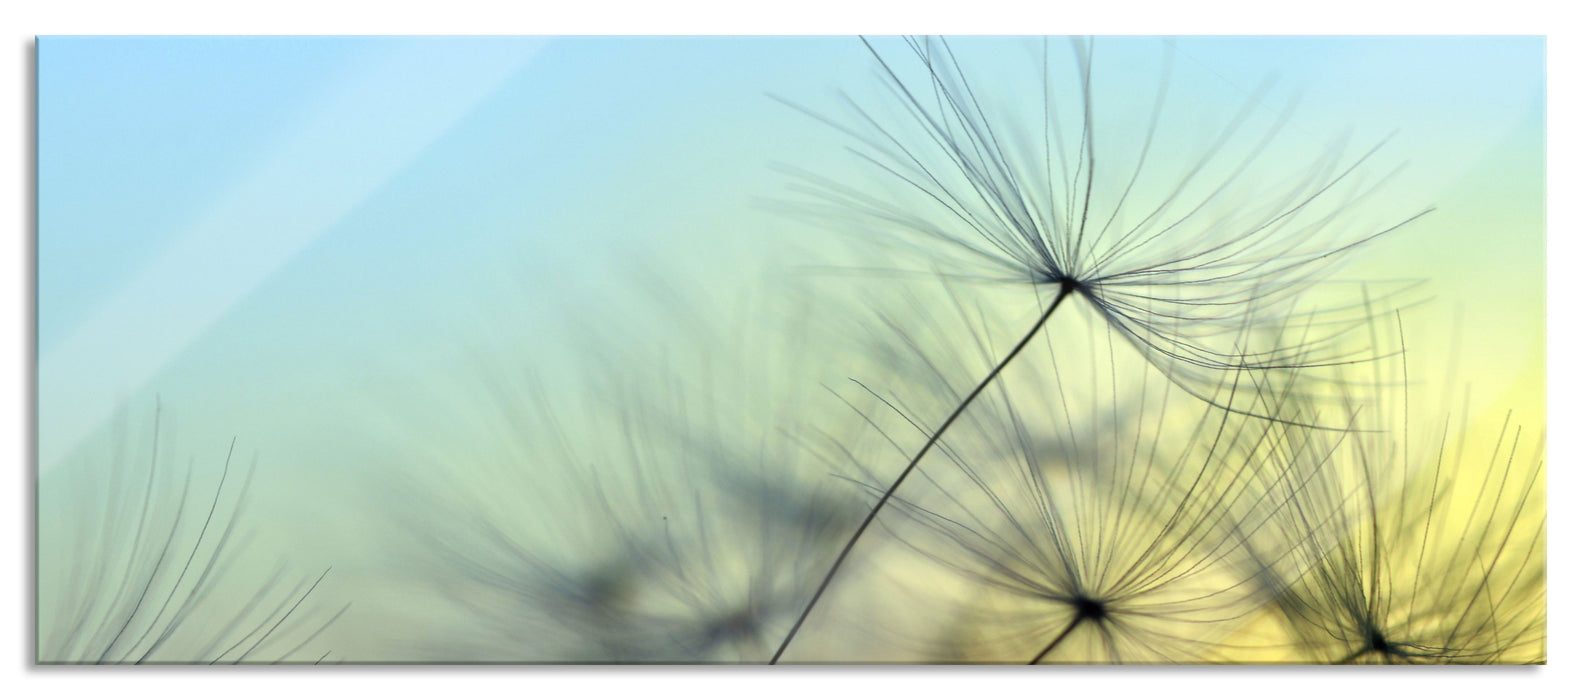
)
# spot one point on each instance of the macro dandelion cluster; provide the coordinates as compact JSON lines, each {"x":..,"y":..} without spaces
{"x":1085,"y":386}
{"x":1115,"y":412}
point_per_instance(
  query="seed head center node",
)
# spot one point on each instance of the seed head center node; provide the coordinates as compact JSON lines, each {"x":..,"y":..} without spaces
{"x":1376,"y":642}
{"x":1090,"y":609}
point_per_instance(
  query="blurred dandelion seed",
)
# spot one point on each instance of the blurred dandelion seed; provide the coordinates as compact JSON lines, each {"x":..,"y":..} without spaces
{"x":140,"y":589}
{"x":688,"y":526}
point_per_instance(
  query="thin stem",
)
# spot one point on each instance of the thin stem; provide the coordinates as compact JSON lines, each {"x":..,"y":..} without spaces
{"x":1066,"y":287}
{"x":1058,"y":639}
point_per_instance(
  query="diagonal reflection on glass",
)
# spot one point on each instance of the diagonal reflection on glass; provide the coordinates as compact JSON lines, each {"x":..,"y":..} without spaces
{"x":409,"y":94}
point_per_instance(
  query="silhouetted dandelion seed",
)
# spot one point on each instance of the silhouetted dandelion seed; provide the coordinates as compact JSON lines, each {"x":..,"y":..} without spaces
{"x":1404,"y":563}
{"x":1131,"y":550}
{"x":1181,"y":277}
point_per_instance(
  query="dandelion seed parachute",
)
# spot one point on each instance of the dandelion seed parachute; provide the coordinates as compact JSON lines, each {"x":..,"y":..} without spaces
{"x":136,"y":577}
{"x":1185,"y":263}
{"x":1090,"y":522}
{"x":1418,"y":551}
{"x":675,"y":560}
{"x":1176,"y":250}
{"x":673,"y":512}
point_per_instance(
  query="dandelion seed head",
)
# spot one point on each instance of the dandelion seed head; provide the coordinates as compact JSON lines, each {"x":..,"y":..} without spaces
{"x":1086,"y":508}
{"x":1179,"y":252}
{"x":1404,"y":546}
{"x":673,"y":511}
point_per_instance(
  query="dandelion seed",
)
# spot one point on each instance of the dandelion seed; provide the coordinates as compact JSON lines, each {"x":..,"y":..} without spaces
{"x":1122,"y":543}
{"x":1177,"y":257}
{"x":1181,"y":277}
{"x":704,"y":550}
{"x":1442,"y":563}
{"x":687,"y":529}
{"x":143,"y":570}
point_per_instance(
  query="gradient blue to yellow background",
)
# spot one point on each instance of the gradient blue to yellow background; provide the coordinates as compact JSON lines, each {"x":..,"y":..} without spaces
{"x":301,"y":242}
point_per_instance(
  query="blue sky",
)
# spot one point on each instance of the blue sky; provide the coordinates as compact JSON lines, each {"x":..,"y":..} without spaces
{"x":326,"y":181}
{"x":299,"y":205}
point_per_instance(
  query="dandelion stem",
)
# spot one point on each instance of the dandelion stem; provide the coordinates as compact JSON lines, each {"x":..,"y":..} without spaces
{"x":1066,"y":288}
{"x":1058,"y":639}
